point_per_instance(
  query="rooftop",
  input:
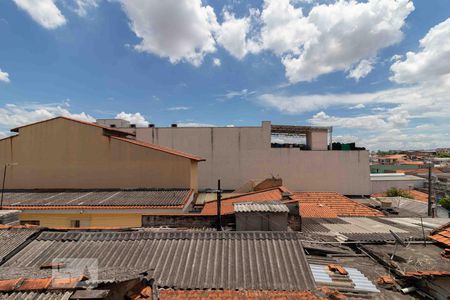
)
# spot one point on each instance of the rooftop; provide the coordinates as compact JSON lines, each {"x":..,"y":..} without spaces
{"x":442,"y":235}
{"x":334,"y":202}
{"x":96,"y":199}
{"x":182,"y":259}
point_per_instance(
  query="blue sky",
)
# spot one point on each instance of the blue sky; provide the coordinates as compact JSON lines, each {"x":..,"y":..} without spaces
{"x":376,"y":70}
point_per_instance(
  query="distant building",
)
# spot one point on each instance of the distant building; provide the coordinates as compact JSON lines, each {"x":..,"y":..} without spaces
{"x":383,"y":182}
{"x":299,"y":155}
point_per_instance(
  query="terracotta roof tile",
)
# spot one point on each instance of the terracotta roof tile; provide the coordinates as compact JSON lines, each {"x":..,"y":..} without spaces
{"x":160,"y":148}
{"x":427,"y":273}
{"x":170,"y":294}
{"x":339,"y":204}
{"x":316,"y":210}
{"x":210,"y":208}
{"x":40,"y":284}
{"x":442,"y":236}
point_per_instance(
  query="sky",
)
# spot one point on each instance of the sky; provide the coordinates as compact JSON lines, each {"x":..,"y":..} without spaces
{"x":378,"y":71}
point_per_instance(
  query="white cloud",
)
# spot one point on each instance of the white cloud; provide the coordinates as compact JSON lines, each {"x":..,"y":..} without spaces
{"x":82,"y":6}
{"x":135,"y":118}
{"x":346,"y":32}
{"x":357,"y":106}
{"x":431,"y":62}
{"x":240,"y":94}
{"x":217,"y":62}
{"x":12,"y":115}
{"x":4,"y":76}
{"x":233,"y":32}
{"x":181,"y":30}
{"x":362,"y":69}
{"x":44,"y":12}
{"x":365,"y":122}
{"x":178,"y":108}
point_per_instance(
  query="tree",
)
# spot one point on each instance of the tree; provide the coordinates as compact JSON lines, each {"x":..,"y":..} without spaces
{"x":445,"y":203}
{"x":395,"y":192}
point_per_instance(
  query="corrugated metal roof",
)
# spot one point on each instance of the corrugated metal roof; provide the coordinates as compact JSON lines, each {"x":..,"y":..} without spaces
{"x":99,"y":198}
{"x":186,"y":260}
{"x":11,"y":238}
{"x":36,"y":296}
{"x":266,"y":206}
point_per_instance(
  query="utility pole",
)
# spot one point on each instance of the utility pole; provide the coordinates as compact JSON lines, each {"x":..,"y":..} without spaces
{"x":219,"y":207}
{"x":430,"y":213}
{"x":4,"y":180}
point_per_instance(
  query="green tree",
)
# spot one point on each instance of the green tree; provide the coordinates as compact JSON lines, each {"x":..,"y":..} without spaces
{"x":395,"y":192}
{"x":445,"y":203}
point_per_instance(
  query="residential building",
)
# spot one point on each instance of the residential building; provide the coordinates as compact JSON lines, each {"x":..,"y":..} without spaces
{"x":384,"y":181}
{"x":63,"y":153}
{"x":299,"y":155}
{"x":68,"y":173}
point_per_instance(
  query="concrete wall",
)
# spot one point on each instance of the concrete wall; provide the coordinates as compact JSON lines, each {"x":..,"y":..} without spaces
{"x":261,"y":221}
{"x":237,"y":155}
{"x":65,"y":154}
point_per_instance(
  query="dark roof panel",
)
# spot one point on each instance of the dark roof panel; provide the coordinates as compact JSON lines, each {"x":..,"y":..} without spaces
{"x":185,"y":260}
{"x":154,"y":197}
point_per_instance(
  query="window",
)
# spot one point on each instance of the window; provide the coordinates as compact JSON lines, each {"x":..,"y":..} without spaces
{"x":30,"y":222}
{"x":75,"y":223}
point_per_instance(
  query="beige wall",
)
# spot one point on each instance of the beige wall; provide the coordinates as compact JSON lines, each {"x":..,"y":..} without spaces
{"x":236,"y":155}
{"x":65,"y":154}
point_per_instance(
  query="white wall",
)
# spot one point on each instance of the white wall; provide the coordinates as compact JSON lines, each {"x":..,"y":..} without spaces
{"x":236,"y":155}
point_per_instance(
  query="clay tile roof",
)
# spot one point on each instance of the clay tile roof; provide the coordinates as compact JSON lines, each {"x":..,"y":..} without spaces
{"x":339,"y":204}
{"x":160,"y":148}
{"x":418,"y":195}
{"x":442,"y":236}
{"x":271,"y":194}
{"x":427,"y":273}
{"x":316,"y":210}
{"x":170,"y":294}
{"x":40,"y":284}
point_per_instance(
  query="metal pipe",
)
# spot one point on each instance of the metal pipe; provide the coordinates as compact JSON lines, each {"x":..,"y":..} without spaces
{"x":219,"y":207}
{"x":3,"y":186}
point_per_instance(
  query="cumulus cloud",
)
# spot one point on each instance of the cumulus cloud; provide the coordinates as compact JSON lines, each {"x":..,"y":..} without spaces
{"x":233,"y":35}
{"x":135,"y":118}
{"x":4,"y":76}
{"x":431,"y":62}
{"x":180,"y":30}
{"x":44,"y":12}
{"x":346,"y":33}
{"x":362,"y":69}
{"x":217,"y":62}
{"x":365,"y":122}
{"x":12,"y":115}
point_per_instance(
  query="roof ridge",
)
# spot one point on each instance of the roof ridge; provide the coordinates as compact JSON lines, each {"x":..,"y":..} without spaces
{"x":16,"y":129}
{"x":160,"y":148}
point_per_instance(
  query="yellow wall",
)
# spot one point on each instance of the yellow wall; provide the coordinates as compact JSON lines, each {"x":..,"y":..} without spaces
{"x":88,"y":220}
{"x":65,"y":154}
